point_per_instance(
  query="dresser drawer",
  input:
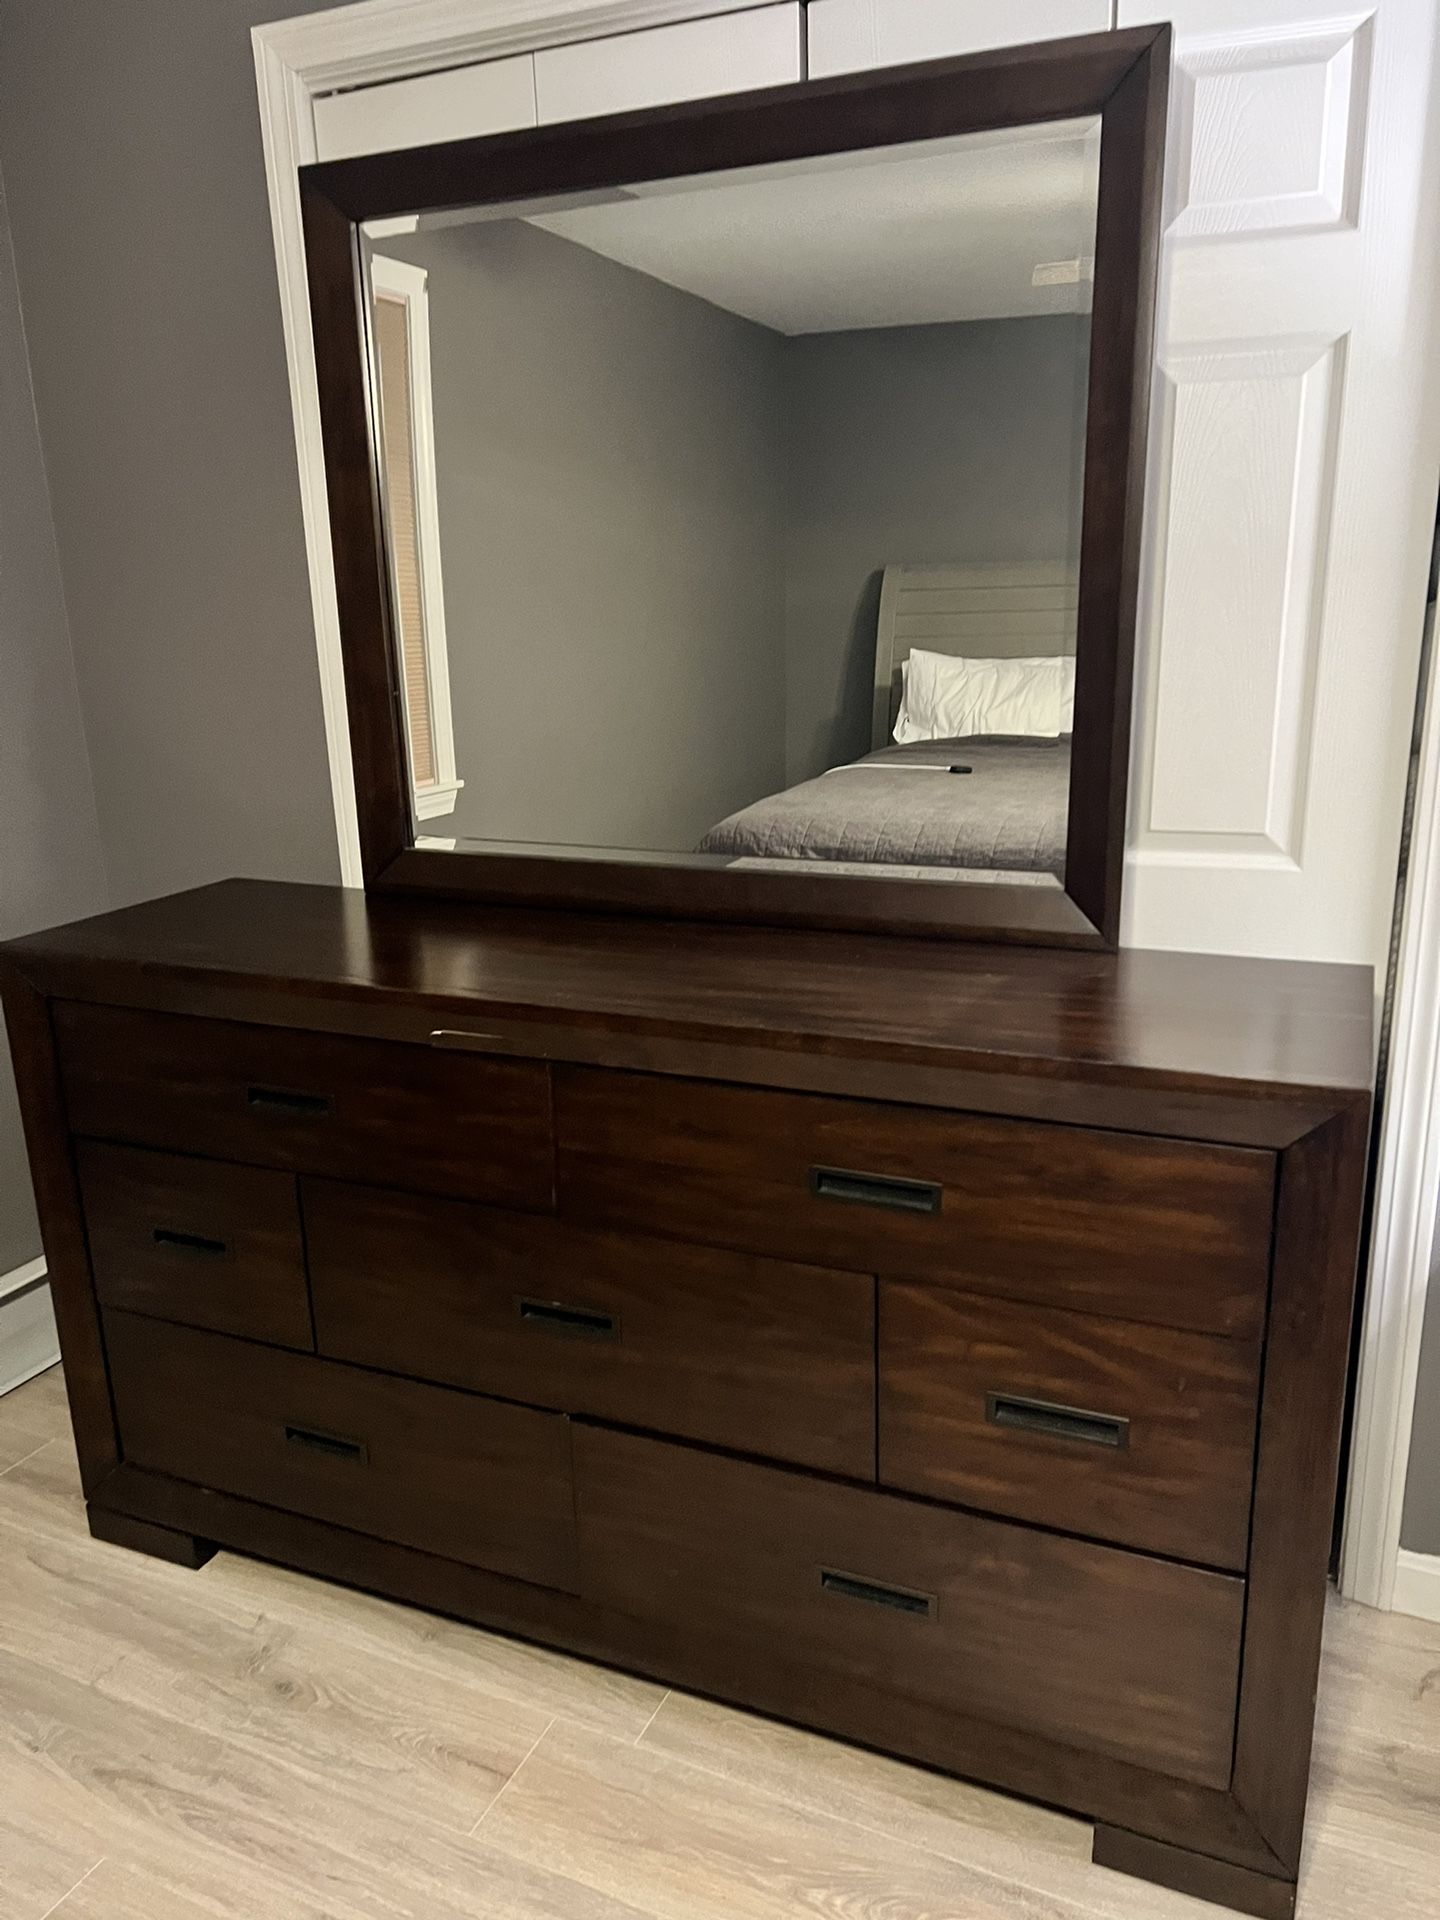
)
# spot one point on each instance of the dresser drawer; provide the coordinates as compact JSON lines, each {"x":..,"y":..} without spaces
{"x":196,"y":1241}
{"x":1164,"y":1231}
{"x":758,"y":1355}
{"x":310,"y":1102}
{"x":449,"y":1473}
{"x":1099,"y":1649}
{"x":1142,"y":1435}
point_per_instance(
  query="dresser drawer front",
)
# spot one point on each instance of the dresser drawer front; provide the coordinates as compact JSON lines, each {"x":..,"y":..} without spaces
{"x":449,"y":1473}
{"x":1108,"y":1651}
{"x":1168,"y":1232}
{"x":715,"y":1346}
{"x":196,"y":1241}
{"x":1140,"y":1435}
{"x":311,"y":1102}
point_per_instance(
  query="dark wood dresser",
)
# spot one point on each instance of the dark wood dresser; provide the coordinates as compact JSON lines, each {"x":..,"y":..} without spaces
{"x":942,"y":1345}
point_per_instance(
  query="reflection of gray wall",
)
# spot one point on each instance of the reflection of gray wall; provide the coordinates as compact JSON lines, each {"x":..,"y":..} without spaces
{"x":1420,"y":1525}
{"x":609,"y":479}
{"x":910,"y":445}
{"x":50,"y":862}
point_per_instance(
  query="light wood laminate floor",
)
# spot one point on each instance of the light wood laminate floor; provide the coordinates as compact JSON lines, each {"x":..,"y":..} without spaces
{"x":244,"y":1741}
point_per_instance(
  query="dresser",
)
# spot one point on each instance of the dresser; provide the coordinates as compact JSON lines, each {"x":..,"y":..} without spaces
{"x":941,"y":1345}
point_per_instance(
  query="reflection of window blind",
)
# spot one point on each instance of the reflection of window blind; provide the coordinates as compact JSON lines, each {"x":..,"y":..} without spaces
{"x":392,"y":350}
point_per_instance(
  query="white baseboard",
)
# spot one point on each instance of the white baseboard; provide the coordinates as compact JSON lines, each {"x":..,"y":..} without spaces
{"x":1417,"y":1584}
{"x":20,"y":1278}
{"x":28,"y":1341}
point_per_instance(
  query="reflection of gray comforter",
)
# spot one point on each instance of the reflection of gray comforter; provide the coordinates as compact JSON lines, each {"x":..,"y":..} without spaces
{"x":900,"y":806}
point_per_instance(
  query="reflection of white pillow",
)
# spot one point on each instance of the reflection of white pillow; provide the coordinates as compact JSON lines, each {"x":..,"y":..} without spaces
{"x":947,"y":698}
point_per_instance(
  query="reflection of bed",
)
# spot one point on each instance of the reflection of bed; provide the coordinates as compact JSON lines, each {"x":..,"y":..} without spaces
{"x":900,"y":806}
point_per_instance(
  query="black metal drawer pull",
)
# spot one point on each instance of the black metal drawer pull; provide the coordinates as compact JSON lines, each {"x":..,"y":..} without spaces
{"x":1060,"y":1423}
{"x":579,"y":1323}
{"x":279,"y":1101}
{"x":198,"y":1244}
{"x":334,"y":1444}
{"x":875,"y":1190}
{"x":899,"y":1599}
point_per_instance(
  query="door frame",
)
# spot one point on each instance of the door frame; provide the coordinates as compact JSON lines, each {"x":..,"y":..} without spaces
{"x":373,"y":41}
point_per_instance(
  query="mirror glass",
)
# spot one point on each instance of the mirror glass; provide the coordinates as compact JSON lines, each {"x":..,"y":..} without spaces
{"x":736,"y":518}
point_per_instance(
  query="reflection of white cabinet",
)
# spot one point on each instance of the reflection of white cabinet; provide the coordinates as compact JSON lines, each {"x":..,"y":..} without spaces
{"x":491,"y":96}
{"x":689,"y":60}
{"x":846,"y":35}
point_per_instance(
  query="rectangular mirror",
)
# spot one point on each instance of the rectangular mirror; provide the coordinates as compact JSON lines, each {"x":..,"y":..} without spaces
{"x":757,"y":538}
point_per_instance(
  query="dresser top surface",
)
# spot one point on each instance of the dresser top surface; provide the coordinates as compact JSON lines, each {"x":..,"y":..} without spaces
{"x":1196,"y":1019}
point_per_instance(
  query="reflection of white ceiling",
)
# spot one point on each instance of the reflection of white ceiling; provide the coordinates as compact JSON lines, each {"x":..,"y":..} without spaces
{"x":951,"y":230}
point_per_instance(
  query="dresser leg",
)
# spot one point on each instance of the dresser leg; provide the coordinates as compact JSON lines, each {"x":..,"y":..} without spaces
{"x":1195,"y":1873}
{"x":143,"y":1536}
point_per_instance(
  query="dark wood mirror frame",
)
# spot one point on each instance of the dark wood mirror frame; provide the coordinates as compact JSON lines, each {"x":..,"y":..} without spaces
{"x":1123,"y":78}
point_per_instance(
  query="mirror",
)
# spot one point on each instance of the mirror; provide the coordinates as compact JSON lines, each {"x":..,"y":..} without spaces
{"x":736,"y":506}
{"x":736,"y":518}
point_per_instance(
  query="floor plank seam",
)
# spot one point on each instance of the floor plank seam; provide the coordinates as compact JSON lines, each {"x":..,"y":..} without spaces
{"x":651,"y":1721}
{"x":505,"y":1785}
{"x":24,"y":1457}
{"x":72,"y":1890}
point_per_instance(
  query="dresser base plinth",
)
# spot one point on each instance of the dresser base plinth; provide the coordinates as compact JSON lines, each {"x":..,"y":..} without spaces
{"x":1194,"y":1873}
{"x":143,"y":1536}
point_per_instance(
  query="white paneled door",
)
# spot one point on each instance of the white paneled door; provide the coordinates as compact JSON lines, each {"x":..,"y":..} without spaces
{"x":846,"y":35}
{"x":1294,"y":455}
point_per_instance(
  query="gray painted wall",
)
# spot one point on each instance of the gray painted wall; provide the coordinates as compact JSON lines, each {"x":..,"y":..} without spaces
{"x":620,"y":463}
{"x":130,"y":143}
{"x":1420,"y":1523}
{"x":911,"y":445}
{"x":51,"y":867}
{"x":608,"y":467}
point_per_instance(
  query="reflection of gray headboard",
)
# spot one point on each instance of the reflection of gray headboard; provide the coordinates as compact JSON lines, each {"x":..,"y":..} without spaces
{"x":993,"y":611}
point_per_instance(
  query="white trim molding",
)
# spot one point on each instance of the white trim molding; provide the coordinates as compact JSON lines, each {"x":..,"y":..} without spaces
{"x":19,"y":1278}
{"x":1417,"y":1584}
{"x":1404,"y":1225}
{"x":302,"y":60}
{"x":28,"y":1340}
{"x":409,"y":286}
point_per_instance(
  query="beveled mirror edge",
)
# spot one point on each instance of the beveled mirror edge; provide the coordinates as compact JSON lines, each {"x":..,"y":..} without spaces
{"x":1121,"y":76}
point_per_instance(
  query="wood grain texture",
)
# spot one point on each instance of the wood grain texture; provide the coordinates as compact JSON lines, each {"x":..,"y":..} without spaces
{"x":1215,"y":1880}
{"x":308,"y":1102}
{"x":1058,"y":1092}
{"x":161,"y":1543}
{"x":448,"y":1472}
{"x":262,"y":1683}
{"x":1154,"y":1230}
{"x":1175,"y":1481}
{"x":1307,"y":1351}
{"x":758,"y":1355}
{"x":1172,"y":1024}
{"x":62,"y":1224}
{"x":198,"y":1241}
{"x":766,"y":1678}
{"x":1124,"y":1656}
